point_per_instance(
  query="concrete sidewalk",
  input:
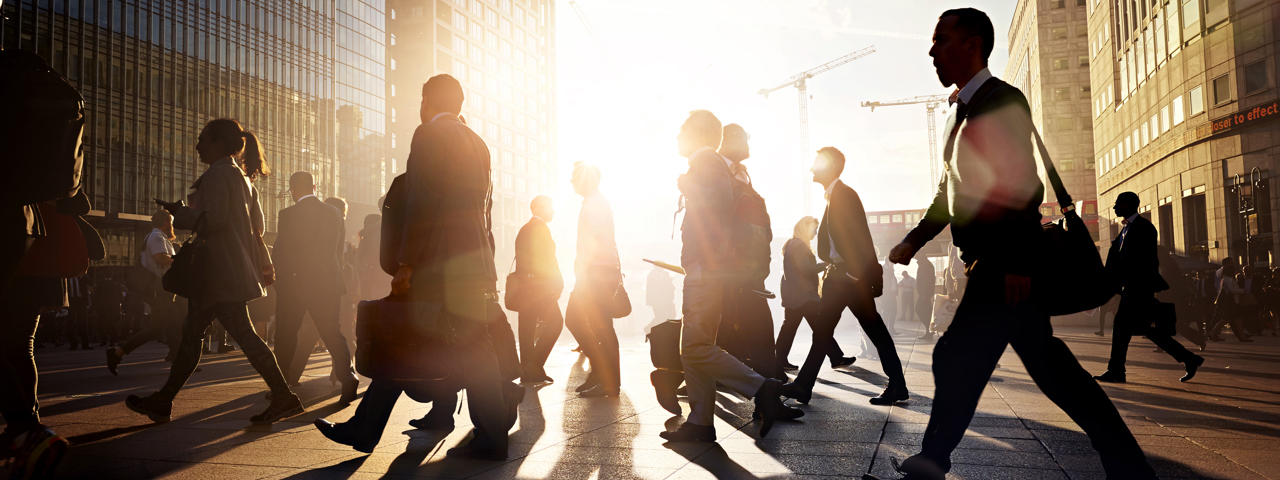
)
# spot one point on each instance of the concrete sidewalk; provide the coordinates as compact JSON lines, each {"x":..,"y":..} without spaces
{"x":1222,"y":425}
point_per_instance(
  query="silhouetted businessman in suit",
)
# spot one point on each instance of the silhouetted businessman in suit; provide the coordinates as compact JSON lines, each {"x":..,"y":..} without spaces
{"x":1134,"y":267}
{"x":852,"y":281}
{"x":308,"y":259}
{"x":541,"y":320}
{"x":990,"y":197}
{"x":445,"y":255}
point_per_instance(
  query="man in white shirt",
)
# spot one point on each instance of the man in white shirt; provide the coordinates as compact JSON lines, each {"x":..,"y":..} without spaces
{"x":156,"y":257}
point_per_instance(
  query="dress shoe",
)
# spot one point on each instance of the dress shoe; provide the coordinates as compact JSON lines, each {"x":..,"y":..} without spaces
{"x":891,"y":395}
{"x":1215,"y":338}
{"x":600,"y":391}
{"x":843,"y":362}
{"x":589,"y":384}
{"x":665,"y":384}
{"x":225,"y":348}
{"x":335,"y":433}
{"x":430,"y":422}
{"x":547,"y":380}
{"x":158,"y":410}
{"x":478,"y":453}
{"x":278,"y":410}
{"x":769,"y":403}
{"x":789,"y":413}
{"x":113,"y":360}
{"x":788,"y":366}
{"x":1110,"y":377}
{"x":1099,"y":333}
{"x":349,"y":387}
{"x":1192,"y":365}
{"x":689,"y":432}
{"x":797,"y":393}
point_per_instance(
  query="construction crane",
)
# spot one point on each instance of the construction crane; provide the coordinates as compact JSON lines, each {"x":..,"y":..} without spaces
{"x":800,"y":81}
{"x":931,"y":102}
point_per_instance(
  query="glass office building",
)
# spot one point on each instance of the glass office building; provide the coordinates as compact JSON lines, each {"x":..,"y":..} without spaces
{"x":305,"y":75}
{"x":503,"y":53}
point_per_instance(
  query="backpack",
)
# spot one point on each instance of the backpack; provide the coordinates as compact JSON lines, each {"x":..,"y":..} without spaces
{"x":41,"y":126}
{"x":749,"y":232}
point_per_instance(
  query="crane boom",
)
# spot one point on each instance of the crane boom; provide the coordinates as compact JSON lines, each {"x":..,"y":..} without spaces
{"x":810,"y":73}
{"x":931,"y":103}
{"x":800,"y":81}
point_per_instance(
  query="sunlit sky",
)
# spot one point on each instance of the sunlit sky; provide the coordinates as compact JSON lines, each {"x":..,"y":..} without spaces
{"x":677,"y":55}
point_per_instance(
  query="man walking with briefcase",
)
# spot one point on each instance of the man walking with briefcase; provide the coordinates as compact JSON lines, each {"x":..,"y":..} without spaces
{"x":1134,"y":268}
{"x":444,"y":253}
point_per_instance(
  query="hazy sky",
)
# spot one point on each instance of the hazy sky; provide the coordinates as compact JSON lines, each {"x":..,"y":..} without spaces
{"x":678,"y":55}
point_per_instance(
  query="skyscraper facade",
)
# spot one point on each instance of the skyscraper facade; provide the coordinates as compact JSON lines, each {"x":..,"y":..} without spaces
{"x":1049,"y":62}
{"x":503,"y":52}
{"x":1185,"y":116}
{"x":154,"y":72}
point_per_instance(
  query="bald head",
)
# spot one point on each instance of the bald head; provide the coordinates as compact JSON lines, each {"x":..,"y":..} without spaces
{"x":542,"y":208}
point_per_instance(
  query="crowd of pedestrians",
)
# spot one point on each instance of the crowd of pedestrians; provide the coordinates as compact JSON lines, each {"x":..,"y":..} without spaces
{"x":431,"y":252}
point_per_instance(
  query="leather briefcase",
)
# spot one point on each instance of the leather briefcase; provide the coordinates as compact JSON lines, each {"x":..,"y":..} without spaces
{"x":403,"y":340}
{"x":664,"y":345}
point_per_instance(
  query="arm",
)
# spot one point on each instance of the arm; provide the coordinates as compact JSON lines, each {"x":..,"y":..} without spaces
{"x":283,"y":250}
{"x":213,"y":192}
{"x":935,"y":220}
{"x":419,"y":208}
{"x":712,"y":186}
{"x":859,"y":234}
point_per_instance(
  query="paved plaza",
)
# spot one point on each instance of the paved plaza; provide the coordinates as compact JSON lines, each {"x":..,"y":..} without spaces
{"x":1222,"y":425}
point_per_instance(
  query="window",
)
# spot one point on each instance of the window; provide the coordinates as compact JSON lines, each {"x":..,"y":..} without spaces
{"x":1084,"y":91}
{"x":1222,"y":89}
{"x":1255,"y":77}
{"x":1061,"y":64}
{"x":897,"y":218}
{"x":1066,"y":165}
{"x":873,"y":219}
{"x":1056,"y":4}
{"x":1061,"y":124}
{"x":1190,"y":18}
{"x":459,"y":45}
{"x":1164,"y":119}
{"x":1061,"y":93}
{"x":1082,"y":31}
{"x":1058,"y":33}
{"x":415,"y":12}
{"x":1197,"y":100}
{"x":1082,"y":61}
{"x":1154,"y":126}
{"x":1215,"y":11}
{"x":884,"y":219}
{"x":1177,"y":114}
{"x":1171,"y":27}
{"x":1088,"y":164}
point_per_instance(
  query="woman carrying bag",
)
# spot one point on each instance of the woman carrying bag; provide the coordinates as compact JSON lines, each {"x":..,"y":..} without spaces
{"x":227,"y":220}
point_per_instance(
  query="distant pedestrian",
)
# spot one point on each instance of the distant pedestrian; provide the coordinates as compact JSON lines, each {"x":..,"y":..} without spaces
{"x":598,"y":273}
{"x":926,"y":284}
{"x":540,"y":319}
{"x":165,"y":323}
{"x":800,"y":297}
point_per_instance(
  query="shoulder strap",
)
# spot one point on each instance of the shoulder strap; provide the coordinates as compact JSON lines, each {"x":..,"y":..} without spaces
{"x":1055,"y":181}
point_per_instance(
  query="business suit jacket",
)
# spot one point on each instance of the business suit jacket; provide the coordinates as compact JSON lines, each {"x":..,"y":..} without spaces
{"x":708,"y":195}
{"x":308,"y":249}
{"x":844,"y":223}
{"x":447,"y":237}
{"x":991,"y":193}
{"x":232,"y":216}
{"x":536,"y":256}
{"x":1132,"y":264}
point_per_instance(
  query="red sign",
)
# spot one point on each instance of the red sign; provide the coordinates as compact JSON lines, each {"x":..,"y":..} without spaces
{"x":1247,"y":117}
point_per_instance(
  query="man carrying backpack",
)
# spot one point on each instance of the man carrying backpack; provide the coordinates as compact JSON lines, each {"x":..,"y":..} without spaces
{"x":41,"y":126}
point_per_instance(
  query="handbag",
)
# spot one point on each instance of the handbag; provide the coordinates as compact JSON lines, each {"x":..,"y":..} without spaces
{"x":403,"y":340}
{"x":185,"y":277}
{"x":516,"y":297}
{"x":263,"y":261}
{"x":1070,"y":279}
{"x":620,"y":304}
{"x":62,"y":252}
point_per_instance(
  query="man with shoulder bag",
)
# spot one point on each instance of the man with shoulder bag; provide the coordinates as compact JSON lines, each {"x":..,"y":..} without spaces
{"x":533,"y":291}
{"x":990,"y":197}
{"x":144,"y":281}
{"x":1135,"y":271}
{"x":443,"y":289}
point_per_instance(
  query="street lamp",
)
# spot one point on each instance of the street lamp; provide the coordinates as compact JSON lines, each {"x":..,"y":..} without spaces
{"x":1247,"y":202}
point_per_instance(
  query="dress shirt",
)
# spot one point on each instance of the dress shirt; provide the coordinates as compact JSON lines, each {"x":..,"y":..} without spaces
{"x":304,"y":197}
{"x":438,"y":115}
{"x":835,"y":257}
{"x":966,"y":93}
{"x":1125,"y":230}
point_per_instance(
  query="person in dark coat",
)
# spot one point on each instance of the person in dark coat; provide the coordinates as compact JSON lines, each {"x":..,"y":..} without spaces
{"x":851,"y":282}
{"x":540,"y":320}
{"x":308,"y":260}
{"x":445,"y":256}
{"x":108,"y":299}
{"x":224,"y":210}
{"x":374,"y":282}
{"x":1134,"y":269}
{"x":990,"y":197}
{"x":800,"y":298}
{"x":1180,"y":294}
{"x":926,"y":284}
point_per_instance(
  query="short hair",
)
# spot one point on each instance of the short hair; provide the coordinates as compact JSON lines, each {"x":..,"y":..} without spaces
{"x":337,"y":202}
{"x":160,"y":217}
{"x":586,"y":172}
{"x":833,"y":154}
{"x":1128,"y":198}
{"x":301,"y":180}
{"x":443,"y":92}
{"x":976,"y":24}
{"x":733,"y":130}
{"x":707,"y":126}
{"x":538,"y":202}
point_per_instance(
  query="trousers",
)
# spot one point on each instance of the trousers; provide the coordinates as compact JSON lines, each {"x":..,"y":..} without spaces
{"x":291,"y":307}
{"x":1132,"y":313}
{"x":589,"y":322}
{"x":540,"y":326}
{"x":791,"y":318}
{"x":746,"y":330}
{"x":704,"y":362}
{"x":963,"y":361}
{"x":838,"y":293}
{"x":234,"y":317}
{"x":164,"y":324}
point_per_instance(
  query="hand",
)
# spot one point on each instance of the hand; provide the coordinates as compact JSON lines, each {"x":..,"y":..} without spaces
{"x":400,"y":283}
{"x":902,"y":253}
{"x":1016,"y":288}
{"x":171,"y":207}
